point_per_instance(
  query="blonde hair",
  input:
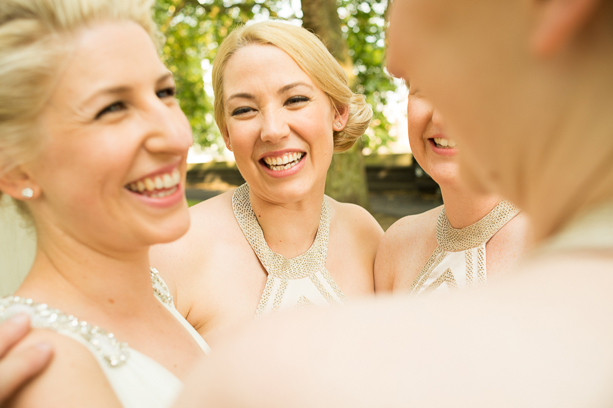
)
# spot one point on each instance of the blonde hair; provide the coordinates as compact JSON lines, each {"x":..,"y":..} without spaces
{"x":312,"y":57}
{"x":34,"y":39}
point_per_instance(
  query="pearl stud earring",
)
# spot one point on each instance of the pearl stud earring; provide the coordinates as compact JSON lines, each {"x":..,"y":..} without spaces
{"x":27,"y":192}
{"x":337,"y":125}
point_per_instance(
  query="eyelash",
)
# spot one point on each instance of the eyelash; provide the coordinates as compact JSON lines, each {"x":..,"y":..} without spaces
{"x":297,"y":99}
{"x":290,"y":101}
{"x":169,"y":92}
{"x":240,"y":111}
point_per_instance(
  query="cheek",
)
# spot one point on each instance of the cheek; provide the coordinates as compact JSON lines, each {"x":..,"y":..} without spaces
{"x":418,"y":120}
{"x":242,"y":137}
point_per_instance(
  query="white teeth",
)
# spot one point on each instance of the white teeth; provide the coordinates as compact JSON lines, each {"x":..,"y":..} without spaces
{"x":149,"y":185}
{"x":167,"y":181}
{"x":441,"y":142}
{"x":159,"y":184}
{"x":287,"y":161}
{"x":163,"y":193}
{"x":176,"y":177}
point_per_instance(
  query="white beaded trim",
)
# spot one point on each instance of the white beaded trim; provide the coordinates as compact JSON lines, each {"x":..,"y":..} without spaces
{"x":114,"y":352}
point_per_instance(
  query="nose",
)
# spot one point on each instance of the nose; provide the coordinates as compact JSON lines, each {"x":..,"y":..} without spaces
{"x":438,"y":120}
{"x":168,"y":130}
{"x":274,"y":127}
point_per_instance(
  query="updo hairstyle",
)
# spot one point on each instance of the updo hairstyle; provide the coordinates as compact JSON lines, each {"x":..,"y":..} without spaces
{"x":312,"y":57}
{"x":35,"y":39}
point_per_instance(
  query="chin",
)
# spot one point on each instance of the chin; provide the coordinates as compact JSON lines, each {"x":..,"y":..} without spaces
{"x":445,"y":174}
{"x":170,"y":229}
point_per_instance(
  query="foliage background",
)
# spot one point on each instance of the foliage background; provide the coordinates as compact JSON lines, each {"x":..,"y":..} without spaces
{"x":195,"y":28}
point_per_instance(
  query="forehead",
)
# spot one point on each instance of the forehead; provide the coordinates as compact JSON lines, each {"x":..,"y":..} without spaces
{"x":108,"y":54}
{"x":261,"y":67}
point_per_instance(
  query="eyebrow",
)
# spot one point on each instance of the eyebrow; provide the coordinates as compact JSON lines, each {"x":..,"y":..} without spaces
{"x":293,"y":85}
{"x":121,"y":89}
{"x":281,"y":90}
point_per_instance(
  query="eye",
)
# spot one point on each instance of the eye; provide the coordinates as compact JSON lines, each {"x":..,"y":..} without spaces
{"x":169,"y":92}
{"x":114,"y":107}
{"x":240,"y":111}
{"x":296,"y":100}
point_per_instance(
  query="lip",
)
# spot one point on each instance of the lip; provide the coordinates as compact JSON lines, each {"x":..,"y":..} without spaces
{"x":161,"y":170}
{"x":439,"y":150}
{"x":282,"y":173}
{"x":161,"y":202}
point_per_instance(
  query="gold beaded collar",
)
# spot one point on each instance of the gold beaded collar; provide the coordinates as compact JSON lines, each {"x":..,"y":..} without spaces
{"x":455,"y":240}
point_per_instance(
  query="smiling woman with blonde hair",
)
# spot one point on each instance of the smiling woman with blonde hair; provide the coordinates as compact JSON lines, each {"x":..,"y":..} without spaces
{"x":283,"y":105}
{"x":87,"y":115}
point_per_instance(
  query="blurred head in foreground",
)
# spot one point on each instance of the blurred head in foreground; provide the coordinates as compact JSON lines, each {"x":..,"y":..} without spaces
{"x":527,"y":102}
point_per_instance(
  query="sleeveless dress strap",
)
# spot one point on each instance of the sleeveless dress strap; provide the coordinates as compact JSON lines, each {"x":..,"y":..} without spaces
{"x":103,"y":343}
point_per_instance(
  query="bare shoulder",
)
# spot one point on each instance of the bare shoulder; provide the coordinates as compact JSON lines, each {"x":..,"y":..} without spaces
{"x":73,"y":378}
{"x":399,"y":246}
{"x":508,"y":245}
{"x":177,"y":260}
{"x":516,"y":231}
{"x":357,"y":220}
{"x":412,"y":227}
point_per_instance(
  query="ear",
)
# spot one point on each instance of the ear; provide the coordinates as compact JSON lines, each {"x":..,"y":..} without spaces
{"x":341,"y":116}
{"x":226,"y":139}
{"x":15,"y":181}
{"x":558,"y":21}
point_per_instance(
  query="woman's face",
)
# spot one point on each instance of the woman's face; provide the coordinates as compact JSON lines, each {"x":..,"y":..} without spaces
{"x":279,"y":124}
{"x":115,"y":144}
{"x":435,"y":152}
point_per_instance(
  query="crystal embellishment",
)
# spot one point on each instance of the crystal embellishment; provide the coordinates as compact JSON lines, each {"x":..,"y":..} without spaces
{"x":114,"y":353}
{"x":160,"y":289}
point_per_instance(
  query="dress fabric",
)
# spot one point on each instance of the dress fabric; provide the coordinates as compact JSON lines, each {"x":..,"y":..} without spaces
{"x":459,"y":259}
{"x":300,"y":281}
{"x":138,"y":380}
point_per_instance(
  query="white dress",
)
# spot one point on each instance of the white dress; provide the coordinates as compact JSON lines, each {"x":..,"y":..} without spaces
{"x":138,"y":380}
{"x":459,"y":260}
{"x":300,"y":281}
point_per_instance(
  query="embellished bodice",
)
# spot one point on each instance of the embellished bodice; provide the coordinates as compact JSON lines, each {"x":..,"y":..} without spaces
{"x":459,"y":259}
{"x":299,"y":281}
{"x":137,"y":380}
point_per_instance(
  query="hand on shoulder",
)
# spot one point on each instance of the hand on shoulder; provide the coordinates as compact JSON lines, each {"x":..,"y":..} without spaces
{"x":19,"y":366}
{"x":72,"y":364}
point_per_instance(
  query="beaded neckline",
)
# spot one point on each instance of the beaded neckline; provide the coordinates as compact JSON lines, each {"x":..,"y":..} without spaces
{"x":276,"y":264}
{"x":115,"y":353}
{"x":454,"y":240}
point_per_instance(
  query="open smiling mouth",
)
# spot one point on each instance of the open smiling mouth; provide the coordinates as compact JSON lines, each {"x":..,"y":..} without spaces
{"x":285,"y":162}
{"x":443,"y":143}
{"x":158,"y":186}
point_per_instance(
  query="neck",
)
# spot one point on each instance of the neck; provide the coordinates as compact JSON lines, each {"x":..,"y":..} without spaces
{"x":289,"y":228}
{"x":464,"y":207}
{"x":67,"y":271}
